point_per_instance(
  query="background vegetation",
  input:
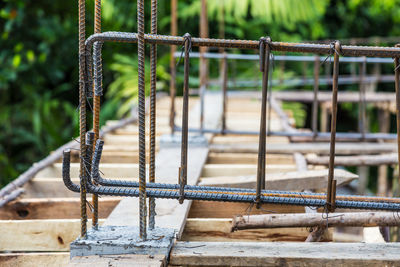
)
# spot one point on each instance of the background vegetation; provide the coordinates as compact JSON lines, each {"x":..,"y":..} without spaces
{"x":38,"y":56}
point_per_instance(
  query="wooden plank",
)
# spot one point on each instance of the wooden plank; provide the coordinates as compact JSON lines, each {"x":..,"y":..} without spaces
{"x":39,"y":235}
{"x":211,"y":170}
{"x":284,"y":254}
{"x":118,"y":261}
{"x":55,"y":259}
{"x":52,"y":208}
{"x":219,"y":230}
{"x":308,"y":97}
{"x":53,"y":188}
{"x":299,"y":180}
{"x":109,"y":170}
{"x":247,"y":158}
{"x":305,"y":148}
{"x":215,"y":209}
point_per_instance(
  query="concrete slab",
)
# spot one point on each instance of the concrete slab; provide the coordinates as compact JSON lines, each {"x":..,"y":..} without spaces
{"x":117,"y":240}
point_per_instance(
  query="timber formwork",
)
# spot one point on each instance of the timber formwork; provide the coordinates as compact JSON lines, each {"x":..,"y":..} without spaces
{"x":39,"y":226}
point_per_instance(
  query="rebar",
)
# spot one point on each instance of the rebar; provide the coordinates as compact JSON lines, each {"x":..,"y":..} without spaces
{"x":314,"y":122}
{"x":275,"y":197}
{"x":224,"y":79}
{"x":331,"y":190}
{"x":172,"y":85}
{"x":96,"y":100}
{"x":397,"y":88}
{"x":362,"y":105}
{"x":264,"y":67}
{"x":182,"y":191}
{"x":142,"y":121}
{"x":185,"y":119}
{"x":82,"y":115}
{"x":153,"y":88}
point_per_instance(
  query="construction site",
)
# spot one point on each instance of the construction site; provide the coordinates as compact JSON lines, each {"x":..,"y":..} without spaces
{"x":220,"y":174}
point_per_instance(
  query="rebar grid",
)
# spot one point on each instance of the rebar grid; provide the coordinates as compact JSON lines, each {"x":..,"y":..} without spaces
{"x":182,"y":191}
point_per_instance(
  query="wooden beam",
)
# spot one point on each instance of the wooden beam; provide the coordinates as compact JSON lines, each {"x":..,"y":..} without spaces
{"x":308,"y":97}
{"x":247,"y":158}
{"x":119,"y":261}
{"x":219,"y":230}
{"x":362,"y":160}
{"x":300,"y":180}
{"x":305,"y":148}
{"x":215,"y":209}
{"x":39,"y":235}
{"x":351,"y":219}
{"x":284,"y":254}
{"x":52,"y":208}
{"x":211,"y":170}
{"x":54,"y":259}
{"x":53,"y":188}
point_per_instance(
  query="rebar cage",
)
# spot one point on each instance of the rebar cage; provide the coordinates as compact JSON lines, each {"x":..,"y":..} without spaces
{"x":90,"y":85}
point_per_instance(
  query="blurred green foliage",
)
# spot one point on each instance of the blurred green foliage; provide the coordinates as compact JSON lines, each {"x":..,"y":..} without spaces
{"x":38,"y":55}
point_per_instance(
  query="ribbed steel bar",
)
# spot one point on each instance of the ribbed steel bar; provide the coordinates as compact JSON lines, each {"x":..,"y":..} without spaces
{"x":82,"y":115}
{"x":185,"y":120}
{"x":153,"y":82}
{"x":397,"y":88}
{"x":264,"y":67}
{"x":331,"y":190}
{"x":359,"y":51}
{"x":224,"y":79}
{"x":142,"y":121}
{"x":172,"y":66}
{"x":96,"y":104}
{"x":314,"y":122}
{"x":362,"y":105}
{"x":276,"y":197}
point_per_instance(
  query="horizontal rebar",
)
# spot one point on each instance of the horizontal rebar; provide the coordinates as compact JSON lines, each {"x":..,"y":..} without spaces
{"x":371,"y":51}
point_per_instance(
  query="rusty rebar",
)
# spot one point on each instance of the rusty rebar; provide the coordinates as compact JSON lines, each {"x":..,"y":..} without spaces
{"x":331,"y":191}
{"x":153,"y":88}
{"x":362,"y":105}
{"x":224,"y":81}
{"x":96,"y":110}
{"x":264,"y":67}
{"x":142,"y":121}
{"x":185,"y":120}
{"x":172,"y":66}
{"x":314,"y":122}
{"x":397,"y":88}
{"x":82,"y":115}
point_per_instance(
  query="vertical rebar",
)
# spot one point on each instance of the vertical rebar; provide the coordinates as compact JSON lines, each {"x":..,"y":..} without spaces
{"x":185,"y":120}
{"x":153,"y":82}
{"x":331,"y":191}
{"x":172,"y":66}
{"x":265,"y":51}
{"x":96,"y":111}
{"x":224,"y":82}
{"x":314,"y":122}
{"x":362,"y":125}
{"x":397,"y":86}
{"x":203,"y":61}
{"x":82,"y":116}
{"x":142,"y":121}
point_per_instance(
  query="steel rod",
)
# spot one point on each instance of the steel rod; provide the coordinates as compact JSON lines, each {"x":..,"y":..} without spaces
{"x":331,"y":190}
{"x":264,"y":67}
